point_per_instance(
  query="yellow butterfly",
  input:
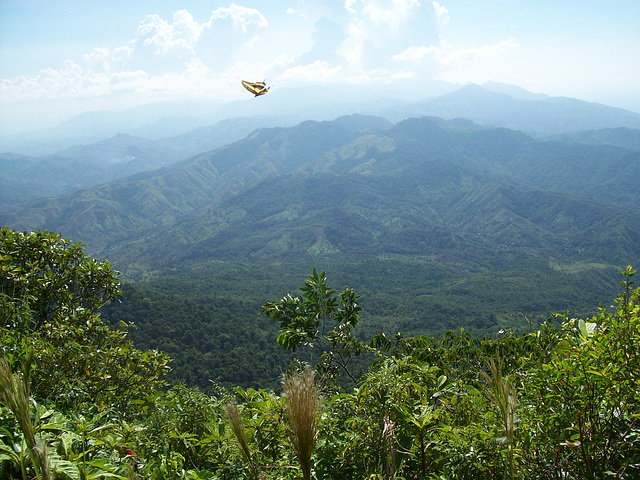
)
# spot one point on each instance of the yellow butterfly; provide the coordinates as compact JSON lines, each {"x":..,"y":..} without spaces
{"x":257,"y":88}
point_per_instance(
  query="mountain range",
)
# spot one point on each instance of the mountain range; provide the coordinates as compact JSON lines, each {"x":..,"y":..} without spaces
{"x":359,"y":186}
{"x":492,"y":104}
{"x":437,"y":222}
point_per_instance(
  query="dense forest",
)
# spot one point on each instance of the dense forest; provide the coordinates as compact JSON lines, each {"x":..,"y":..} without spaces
{"x":208,"y":320}
{"x":79,"y":399}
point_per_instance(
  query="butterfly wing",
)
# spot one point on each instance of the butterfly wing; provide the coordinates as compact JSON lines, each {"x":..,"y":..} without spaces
{"x":257,"y":88}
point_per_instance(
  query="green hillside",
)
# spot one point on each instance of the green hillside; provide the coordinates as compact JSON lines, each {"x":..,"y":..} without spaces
{"x":353,"y":217}
{"x":442,"y":224}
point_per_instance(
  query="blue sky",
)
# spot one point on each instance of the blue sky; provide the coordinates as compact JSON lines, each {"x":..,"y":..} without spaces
{"x":58,"y":58}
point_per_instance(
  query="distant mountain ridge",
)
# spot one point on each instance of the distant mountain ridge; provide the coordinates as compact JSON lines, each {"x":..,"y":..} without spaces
{"x":24,"y":178}
{"x":492,"y":104}
{"x":124,"y":209}
{"x":80,"y":167}
{"x":540,"y":116}
{"x":620,"y":137}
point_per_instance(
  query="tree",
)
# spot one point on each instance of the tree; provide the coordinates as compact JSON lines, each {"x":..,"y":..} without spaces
{"x":321,"y":319}
{"x":52,"y":274}
{"x":50,"y":292}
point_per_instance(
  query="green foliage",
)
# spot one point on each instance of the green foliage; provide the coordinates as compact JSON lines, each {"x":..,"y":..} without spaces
{"x":569,"y":408}
{"x":207,"y":318}
{"x":14,"y":393}
{"x":559,"y":401}
{"x":587,"y":416}
{"x":320,"y":319}
{"x":208,"y":322}
{"x":50,"y":292}
{"x":52,"y":275}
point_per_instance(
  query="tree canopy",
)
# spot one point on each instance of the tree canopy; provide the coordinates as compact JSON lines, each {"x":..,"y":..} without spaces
{"x":79,"y":401}
{"x":50,"y":293}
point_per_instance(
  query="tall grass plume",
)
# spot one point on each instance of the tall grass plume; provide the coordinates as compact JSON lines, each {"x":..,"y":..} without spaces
{"x":237,"y":426}
{"x":302,"y":406}
{"x":14,"y":393}
{"x":504,"y":396}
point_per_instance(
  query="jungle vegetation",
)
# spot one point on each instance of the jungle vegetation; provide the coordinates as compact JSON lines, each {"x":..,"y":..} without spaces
{"x":80,"y":400}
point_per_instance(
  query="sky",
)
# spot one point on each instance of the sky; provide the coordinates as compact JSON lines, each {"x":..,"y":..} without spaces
{"x":61,"y":57}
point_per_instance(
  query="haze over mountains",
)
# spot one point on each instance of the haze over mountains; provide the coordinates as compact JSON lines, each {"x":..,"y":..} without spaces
{"x":357,"y":185}
{"x":492,"y":104}
{"x":102,"y":146}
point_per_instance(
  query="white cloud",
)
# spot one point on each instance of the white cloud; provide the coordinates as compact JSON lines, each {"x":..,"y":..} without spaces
{"x":50,"y":82}
{"x":442,"y":14}
{"x":242,"y":17}
{"x":165,"y":58}
{"x":389,"y":15}
{"x":162,"y":36}
{"x":348,"y":4}
{"x":459,"y":64}
{"x":477,"y":64}
{"x":355,"y":41}
{"x":98,"y":55}
{"x":412,"y":54}
{"x":121,"y":54}
{"x":455,"y":63}
{"x":402,"y":75}
{"x":447,"y":54}
{"x":376,"y":30}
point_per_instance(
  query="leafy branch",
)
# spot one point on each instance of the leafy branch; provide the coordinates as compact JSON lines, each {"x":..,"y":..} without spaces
{"x":322,"y":319}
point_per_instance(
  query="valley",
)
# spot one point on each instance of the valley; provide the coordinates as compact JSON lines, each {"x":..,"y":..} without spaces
{"x":437,"y":223}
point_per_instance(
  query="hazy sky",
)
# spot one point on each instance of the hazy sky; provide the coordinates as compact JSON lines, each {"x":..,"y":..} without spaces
{"x":66,"y":56}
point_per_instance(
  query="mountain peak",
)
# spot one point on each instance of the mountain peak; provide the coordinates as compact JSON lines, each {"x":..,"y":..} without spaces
{"x":361,"y":123}
{"x":513,"y":91}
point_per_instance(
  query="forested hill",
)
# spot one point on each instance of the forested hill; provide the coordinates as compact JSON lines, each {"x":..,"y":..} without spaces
{"x":424,"y":186}
{"x":29,"y":177}
{"x":437,"y":224}
{"x":138,"y":205}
